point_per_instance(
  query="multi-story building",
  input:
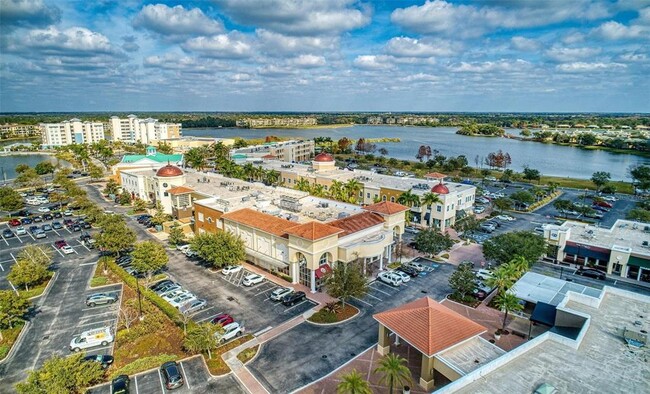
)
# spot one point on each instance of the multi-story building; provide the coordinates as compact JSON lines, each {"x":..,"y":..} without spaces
{"x":293,"y":151}
{"x":146,"y":131}
{"x":72,"y":131}
{"x":622,"y":250}
{"x":151,"y":161}
{"x":153,"y":185}
{"x":277,"y":122}
{"x":18,"y":130}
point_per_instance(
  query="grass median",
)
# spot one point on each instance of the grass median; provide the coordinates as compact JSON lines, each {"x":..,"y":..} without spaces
{"x":9,"y":337}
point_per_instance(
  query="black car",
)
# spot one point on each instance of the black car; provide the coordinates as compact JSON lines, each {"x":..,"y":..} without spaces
{"x":76,"y":228}
{"x":58,"y":215}
{"x":142,"y":218}
{"x":37,"y":219}
{"x":409,"y":271}
{"x":86,"y":225}
{"x":120,"y":385}
{"x":591,"y":273}
{"x":293,"y":298}
{"x":104,"y":359}
{"x":161,"y":284}
{"x":171,"y":374}
{"x":48,"y":216}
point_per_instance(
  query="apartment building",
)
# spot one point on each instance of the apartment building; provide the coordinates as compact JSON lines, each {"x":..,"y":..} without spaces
{"x":277,"y":122}
{"x":146,"y":131}
{"x":72,"y":131}
{"x":293,"y":151}
{"x":18,"y":130}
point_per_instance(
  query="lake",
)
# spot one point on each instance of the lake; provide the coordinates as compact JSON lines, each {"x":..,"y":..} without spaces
{"x":549,"y":159}
{"x":9,"y":162}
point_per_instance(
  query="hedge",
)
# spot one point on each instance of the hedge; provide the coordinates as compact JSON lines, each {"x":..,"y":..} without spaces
{"x":171,"y":312}
{"x":144,"y":364}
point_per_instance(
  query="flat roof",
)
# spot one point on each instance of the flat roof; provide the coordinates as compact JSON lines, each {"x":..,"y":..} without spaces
{"x":601,"y":364}
{"x":534,"y":287}
{"x":623,"y":234}
{"x":471,"y":355}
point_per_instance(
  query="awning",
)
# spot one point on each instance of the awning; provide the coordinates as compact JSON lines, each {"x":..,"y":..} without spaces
{"x":323,"y":270}
{"x":638,"y":262}
{"x":592,"y":252}
{"x":544,"y":314}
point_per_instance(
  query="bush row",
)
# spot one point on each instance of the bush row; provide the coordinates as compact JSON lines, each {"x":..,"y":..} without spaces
{"x":143,"y":364}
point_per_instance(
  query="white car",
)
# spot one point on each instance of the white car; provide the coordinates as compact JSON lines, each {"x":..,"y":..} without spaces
{"x":231,"y":269}
{"x":505,"y":218}
{"x":252,"y":279}
{"x":403,"y":275}
{"x":479,"y":209}
{"x":483,"y":274}
{"x":390,"y":278}
{"x":610,"y":198}
{"x":67,"y":249}
{"x":67,"y":213}
{"x":278,"y":294}
{"x":183,"y":248}
{"x":182,"y":299}
{"x":44,"y":209}
{"x":417,"y":266}
{"x":21,"y":231}
{"x":192,"y":306}
{"x":231,"y":330}
{"x":173,"y":294}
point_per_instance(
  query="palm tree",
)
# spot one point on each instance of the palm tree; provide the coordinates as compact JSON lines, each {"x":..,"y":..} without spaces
{"x":502,"y":278}
{"x":353,"y":383}
{"x":507,"y":302}
{"x":352,"y":189}
{"x":318,"y":190}
{"x":303,"y":185}
{"x":394,"y":371}
{"x":337,"y":190}
{"x":519,"y":265}
{"x":428,"y":199}
{"x":271,"y":177}
{"x":409,"y":199}
{"x":248,"y":171}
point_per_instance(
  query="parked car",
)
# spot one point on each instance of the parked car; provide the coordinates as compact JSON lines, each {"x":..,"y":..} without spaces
{"x":57,"y":215}
{"x":603,"y":204}
{"x":278,"y":294}
{"x":60,"y":243}
{"x":67,"y":212}
{"x":416,"y":266}
{"x":506,"y":218}
{"x":26,"y":221}
{"x":57,"y":225}
{"x":181,"y":300}
{"x":104,"y":359}
{"x":21,"y":231}
{"x":488,"y":227}
{"x":293,"y":298}
{"x":170,"y":295}
{"x":92,"y":338}
{"x":15,"y":222}
{"x":37,"y":219}
{"x":409,"y":270}
{"x":7,"y":233}
{"x":171,"y":374}
{"x":159,"y":285}
{"x":231,"y":331}
{"x":591,"y":273}
{"x":403,"y":275}
{"x":168,"y":288}
{"x":479,"y":209}
{"x":484,"y":274}
{"x":411,"y":230}
{"x":252,"y":279}
{"x":192,"y":306}
{"x":479,"y":294}
{"x":599,"y":208}
{"x":231,"y":269}
{"x":44,"y":209}
{"x":390,"y":278}
{"x":67,"y":249}
{"x":100,"y":299}
{"x":120,"y":385}
{"x":223,"y":318}
{"x":38,"y":234}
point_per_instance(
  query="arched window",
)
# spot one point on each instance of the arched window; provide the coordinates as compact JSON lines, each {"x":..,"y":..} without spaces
{"x":325,"y":258}
{"x":392,"y":199}
{"x":209,"y":220}
{"x":383,"y":198}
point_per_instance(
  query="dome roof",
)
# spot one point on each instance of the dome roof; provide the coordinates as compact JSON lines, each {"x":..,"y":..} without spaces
{"x":440,"y":189}
{"x":169,"y":171}
{"x":323,"y":156}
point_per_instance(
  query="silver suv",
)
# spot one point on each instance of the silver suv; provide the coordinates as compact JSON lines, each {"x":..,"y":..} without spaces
{"x":100,"y":298}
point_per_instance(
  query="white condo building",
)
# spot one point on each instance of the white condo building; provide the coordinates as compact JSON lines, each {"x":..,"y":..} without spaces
{"x":146,"y":131}
{"x":72,"y":131}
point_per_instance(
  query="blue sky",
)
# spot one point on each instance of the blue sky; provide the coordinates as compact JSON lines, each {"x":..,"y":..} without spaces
{"x":325,"y":55}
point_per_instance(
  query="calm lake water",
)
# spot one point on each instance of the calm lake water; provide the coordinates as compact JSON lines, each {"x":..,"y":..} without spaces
{"x":547,"y":158}
{"x":9,"y":162}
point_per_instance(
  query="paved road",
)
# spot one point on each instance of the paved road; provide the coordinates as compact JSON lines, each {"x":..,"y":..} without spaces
{"x":316,"y":350}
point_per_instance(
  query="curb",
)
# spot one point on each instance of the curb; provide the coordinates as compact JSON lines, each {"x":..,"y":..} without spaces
{"x":46,"y":291}
{"x":359,"y":313}
{"x":17,"y":342}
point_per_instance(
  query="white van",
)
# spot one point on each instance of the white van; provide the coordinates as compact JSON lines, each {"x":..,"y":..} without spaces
{"x":91,"y":338}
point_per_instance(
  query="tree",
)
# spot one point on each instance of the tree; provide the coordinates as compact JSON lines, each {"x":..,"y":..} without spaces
{"x":10,"y":199}
{"x":202,"y":337}
{"x":383,"y":151}
{"x":507,"y":302}
{"x":522,"y":197}
{"x":20,"y":168}
{"x":587,"y":139}
{"x":503,"y":277}
{"x":112,"y":187}
{"x":116,"y":235}
{"x":303,"y":185}
{"x":139,"y":205}
{"x":219,"y":249}
{"x":346,"y":280}
{"x":196,"y":158}
{"x":503,"y":247}
{"x":639,"y":214}
{"x":149,"y":257}
{"x":463,"y":281}
{"x":29,"y":178}
{"x":531,"y":174}
{"x":352,"y":189}
{"x":394,"y":371}
{"x":600,"y":178}
{"x":641,"y":175}
{"x":409,"y":198}
{"x":62,"y":375}
{"x":36,"y":254}
{"x":95,"y":172}
{"x":159,"y":216}
{"x":563,"y":205}
{"x":124,"y":198}
{"x":27,"y":273}
{"x":165,"y":148}
{"x":468,"y":223}
{"x":176,"y":236}
{"x":12,"y":309}
{"x":353,"y":383}
{"x":432,"y":242}
{"x":503,"y":203}
{"x":44,"y":167}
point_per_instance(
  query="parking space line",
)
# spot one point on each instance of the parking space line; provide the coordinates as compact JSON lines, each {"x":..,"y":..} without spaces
{"x":161,"y":382}
{"x":264,"y":291}
{"x":57,"y":233}
{"x":98,"y":323}
{"x":110,"y":311}
{"x":135,"y":377}
{"x":12,"y":286}
{"x":13,"y":257}
{"x":381,"y":291}
{"x":57,"y":250}
{"x":368,"y":294}
{"x":290,"y":308}
{"x":2,"y":268}
{"x":83,"y":246}
{"x":85,"y":264}
{"x":3,"y":238}
{"x":360,"y":300}
{"x":185,"y":375}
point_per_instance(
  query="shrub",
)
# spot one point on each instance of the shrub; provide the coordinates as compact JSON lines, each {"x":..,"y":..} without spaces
{"x":144,"y":364}
{"x":323,"y":316}
{"x":98,"y":281}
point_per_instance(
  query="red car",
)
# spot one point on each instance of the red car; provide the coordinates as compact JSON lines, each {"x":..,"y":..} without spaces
{"x":223,"y":319}
{"x":603,"y":204}
{"x":15,"y":222}
{"x":59,"y":244}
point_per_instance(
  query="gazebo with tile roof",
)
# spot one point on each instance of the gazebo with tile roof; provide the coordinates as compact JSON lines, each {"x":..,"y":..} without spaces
{"x":429,"y":327}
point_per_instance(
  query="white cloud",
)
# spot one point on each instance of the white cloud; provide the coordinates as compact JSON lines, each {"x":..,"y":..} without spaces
{"x":184,"y":64}
{"x":579,"y":67}
{"x":524,"y":44}
{"x":561,"y":54}
{"x":240,"y":77}
{"x":634,"y":57}
{"x":275,"y":71}
{"x":573,"y":38}
{"x":412,"y":47}
{"x":373,"y":62}
{"x":299,"y":17}
{"x":27,"y":13}
{"x":308,"y":61}
{"x":492,"y":66}
{"x":72,"y":41}
{"x":617,"y":31}
{"x":280,"y":44}
{"x":419,"y":77}
{"x":226,"y":46}
{"x":176,"y":21}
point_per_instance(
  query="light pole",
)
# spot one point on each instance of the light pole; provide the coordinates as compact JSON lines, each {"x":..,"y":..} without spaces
{"x":137,"y":285}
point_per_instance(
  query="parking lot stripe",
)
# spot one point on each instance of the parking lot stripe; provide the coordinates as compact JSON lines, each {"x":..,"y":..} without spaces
{"x":83,"y":246}
{"x":85,"y":264}
{"x":12,"y":286}
{"x":57,"y":250}
{"x":136,"y":384}
{"x":381,"y":291}
{"x":13,"y":257}
{"x":290,"y":308}
{"x":98,"y":323}
{"x":3,"y":238}
{"x":360,"y":300}
{"x":161,"y":382}
{"x":264,"y":291}
{"x":368,"y":294}
{"x":185,"y":375}
{"x":2,"y":268}
{"x":111,"y":311}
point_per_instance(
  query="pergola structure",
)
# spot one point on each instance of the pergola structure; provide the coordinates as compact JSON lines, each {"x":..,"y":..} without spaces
{"x":438,"y":333}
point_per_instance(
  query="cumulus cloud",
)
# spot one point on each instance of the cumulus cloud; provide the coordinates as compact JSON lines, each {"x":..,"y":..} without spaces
{"x":441,"y":17}
{"x":419,"y":77}
{"x":176,"y":21}
{"x":275,"y":71}
{"x":580,"y":67}
{"x":299,"y":17}
{"x":72,"y":41}
{"x":524,"y":44}
{"x":28,"y":13}
{"x":373,"y":62}
{"x":412,"y":47}
{"x":308,"y":61}
{"x":240,"y":77}
{"x":129,"y":44}
{"x":184,"y":64}
{"x":279,"y":44}
{"x":225,"y":46}
{"x":491,"y":66}
{"x":613,"y":30}
{"x":561,"y":54}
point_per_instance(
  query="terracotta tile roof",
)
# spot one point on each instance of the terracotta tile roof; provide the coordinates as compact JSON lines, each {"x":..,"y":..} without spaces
{"x":435,"y":175}
{"x":269,"y":156}
{"x":180,"y":190}
{"x":261,"y":221}
{"x":429,"y":326}
{"x":357,"y":222}
{"x":386,"y":208}
{"x":313,"y":230}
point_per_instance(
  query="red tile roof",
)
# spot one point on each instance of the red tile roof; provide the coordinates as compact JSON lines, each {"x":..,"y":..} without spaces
{"x":357,"y":222}
{"x":429,"y":326}
{"x":180,"y":190}
{"x":386,"y":208}
{"x":259,"y":220}
{"x":435,"y":175}
{"x":269,"y":156}
{"x":313,"y":230}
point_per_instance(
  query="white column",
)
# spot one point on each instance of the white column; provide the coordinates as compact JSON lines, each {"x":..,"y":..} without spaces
{"x":295,"y":273}
{"x":313,"y":280}
{"x":381,"y":261}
